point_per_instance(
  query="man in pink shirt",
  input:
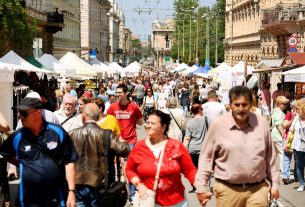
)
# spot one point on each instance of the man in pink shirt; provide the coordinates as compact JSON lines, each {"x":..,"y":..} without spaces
{"x":239,"y":151}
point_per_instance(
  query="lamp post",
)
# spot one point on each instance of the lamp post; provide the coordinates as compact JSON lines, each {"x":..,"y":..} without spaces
{"x":207,"y":46}
{"x":190,"y":40}
{"x":178,"y":38}
{"x":216,"y":42}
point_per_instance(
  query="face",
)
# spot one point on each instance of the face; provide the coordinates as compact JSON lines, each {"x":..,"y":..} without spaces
{"x":68,"y":107}
{"x":111,"y":98}
{"x":283,"y":106}
{"x":68,"y":88}
{"x":29,"y":117}
{"x":81,"y":105}
{"x":153,"y":126}
{"x":149,"y":92}
{"x":300,"y":112}
{"x":240,"y":107}
{"x":120,"y":95}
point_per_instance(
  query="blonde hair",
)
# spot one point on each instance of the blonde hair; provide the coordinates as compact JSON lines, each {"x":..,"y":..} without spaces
{"x":301,"y":104}
{"x":280,"y":100}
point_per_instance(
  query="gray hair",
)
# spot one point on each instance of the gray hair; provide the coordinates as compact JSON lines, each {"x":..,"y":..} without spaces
{"x":171,"y":102}
{"x":69,"y":97}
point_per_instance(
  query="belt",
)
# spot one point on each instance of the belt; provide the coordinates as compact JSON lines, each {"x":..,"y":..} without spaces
{"x":242,"y":184}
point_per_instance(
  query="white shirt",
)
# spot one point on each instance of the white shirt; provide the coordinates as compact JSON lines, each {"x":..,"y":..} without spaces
{"x":73,"y":123}
{"x":213,"y":109}
{"x":298,"y":127}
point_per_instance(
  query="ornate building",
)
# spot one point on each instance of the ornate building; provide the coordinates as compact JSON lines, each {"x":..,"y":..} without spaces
{"x":95,"y":28}
{"x":50,"y":21}
{"x":69,"y":38}
{"x":162,"y":40}
{"x":260,"y":29}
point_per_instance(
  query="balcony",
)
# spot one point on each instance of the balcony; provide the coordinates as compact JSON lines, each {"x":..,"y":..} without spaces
{"x":55,"y":22}
{"x":282,"y":19}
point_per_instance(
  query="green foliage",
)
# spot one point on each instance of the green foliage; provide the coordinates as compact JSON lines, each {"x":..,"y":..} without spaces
{"x":188,"y":17}
{"x":16,"y":30}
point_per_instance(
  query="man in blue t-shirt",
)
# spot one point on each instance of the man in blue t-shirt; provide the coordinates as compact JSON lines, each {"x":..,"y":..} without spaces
{"x":45,"y":155}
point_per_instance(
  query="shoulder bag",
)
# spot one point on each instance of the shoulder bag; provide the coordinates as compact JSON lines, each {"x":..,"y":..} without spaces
{"x":182,"y":131}
{"x":113,"y":194}
{"x":150,"y":200}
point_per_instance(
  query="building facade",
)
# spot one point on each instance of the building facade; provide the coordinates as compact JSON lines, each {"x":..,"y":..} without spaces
{"x":260,"y":29}
{"x":162,"y":40}
{"x":116,"y":21}
{"x":50,"y":21}
{"x":94,"y":29}
{"x":127,"y":45}
{"x":67,"y":40}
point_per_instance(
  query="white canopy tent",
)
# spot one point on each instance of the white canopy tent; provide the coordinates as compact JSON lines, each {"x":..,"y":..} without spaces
{"x":117,"y":68}
{"x":51,"y":62}
{"x":104,"y":68}
{"x":295,"y":75}
{"x":181,"y":67}
{"x":189,"y":70}
{"x":12,"y":58}
{"x":239,"y":69}
{"x":132,"y":69}
{"x":82,"y":69}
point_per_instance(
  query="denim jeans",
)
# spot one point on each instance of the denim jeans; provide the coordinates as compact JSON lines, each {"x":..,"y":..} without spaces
{"x":286,"y":164}
{"x":86,"y":196}
{"x":185,"y":109}
{"x":300,"y":166}
{"x":132,"y":188}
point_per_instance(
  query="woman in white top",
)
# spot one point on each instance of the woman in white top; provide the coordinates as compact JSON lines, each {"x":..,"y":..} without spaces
{"x":149,"y":103}
{"x":298,"y":144}
{"x":178,"y":123}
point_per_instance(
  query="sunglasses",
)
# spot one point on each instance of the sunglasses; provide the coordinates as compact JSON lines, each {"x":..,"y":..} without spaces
{"x":25,"y":114}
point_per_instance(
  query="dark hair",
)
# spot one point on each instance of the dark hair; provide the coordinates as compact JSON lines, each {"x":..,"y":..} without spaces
{"x":123,"y":87}
{"x":196,"y":107}
{"x":149,"y":88}
{"x":100,"y":103}
{"x":239,"y":91}
{"x":165,"y":119}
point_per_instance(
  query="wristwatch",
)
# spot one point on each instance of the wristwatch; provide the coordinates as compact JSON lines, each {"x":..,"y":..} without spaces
{"x":72,"y":190}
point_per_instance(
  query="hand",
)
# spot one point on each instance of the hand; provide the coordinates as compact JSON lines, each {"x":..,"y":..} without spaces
{"x":142,"y":191}
{"x":204,"y":198}
{"x":71,"y":202}
{"x":274,"y":194}
{"x":12,"y":171}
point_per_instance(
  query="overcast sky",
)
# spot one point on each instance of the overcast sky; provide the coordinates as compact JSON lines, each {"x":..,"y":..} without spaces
{"x":140,"y":14}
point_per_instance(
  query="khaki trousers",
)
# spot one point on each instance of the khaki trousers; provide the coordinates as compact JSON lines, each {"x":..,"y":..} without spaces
{"x":237,"y":196}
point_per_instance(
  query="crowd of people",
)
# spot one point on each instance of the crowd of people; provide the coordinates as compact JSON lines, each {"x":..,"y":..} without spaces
{"x":200,"y":133}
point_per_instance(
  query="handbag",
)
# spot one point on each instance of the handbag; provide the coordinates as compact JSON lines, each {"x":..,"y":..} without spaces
{"x":114,"y":194}
{"x":150,"y":200}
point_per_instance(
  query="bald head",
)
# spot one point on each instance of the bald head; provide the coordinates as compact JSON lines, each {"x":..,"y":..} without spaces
{"x":90,"y":112}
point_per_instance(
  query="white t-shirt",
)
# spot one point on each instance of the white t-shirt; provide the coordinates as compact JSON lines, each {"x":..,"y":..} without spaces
{"x":213,"y":109}
{"x":298,"y":127}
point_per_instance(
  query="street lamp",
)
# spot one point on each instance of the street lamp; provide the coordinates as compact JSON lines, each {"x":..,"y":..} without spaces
{"x":190,"y":43}
{"x":178,"y":38}
{"x":207,"y":47}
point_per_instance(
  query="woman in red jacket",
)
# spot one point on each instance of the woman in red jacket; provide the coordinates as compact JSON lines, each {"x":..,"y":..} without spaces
{"x":143,"y":160}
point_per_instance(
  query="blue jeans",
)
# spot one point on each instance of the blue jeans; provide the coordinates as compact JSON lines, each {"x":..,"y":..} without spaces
{"x":300,"y":166}
{"x":286,"y":164}
{"x":86,"y":196}
{"x":132,"y":188}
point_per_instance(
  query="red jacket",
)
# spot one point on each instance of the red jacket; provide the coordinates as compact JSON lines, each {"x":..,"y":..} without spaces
{"x":142,"y":163}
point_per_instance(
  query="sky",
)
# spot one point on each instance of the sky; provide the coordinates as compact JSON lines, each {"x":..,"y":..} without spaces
{"x":140,"y":14}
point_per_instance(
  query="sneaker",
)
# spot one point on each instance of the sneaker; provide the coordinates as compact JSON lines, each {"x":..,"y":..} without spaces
{"x":301,"y":188}
{"x":285,"y":180}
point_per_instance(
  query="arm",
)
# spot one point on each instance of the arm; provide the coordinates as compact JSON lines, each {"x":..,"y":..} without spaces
{"x":70,"y":176}
{"x":140,"y":121}
{"x":271,"y":165}
{"x":186,"y":141}
{"x":187,"y":166}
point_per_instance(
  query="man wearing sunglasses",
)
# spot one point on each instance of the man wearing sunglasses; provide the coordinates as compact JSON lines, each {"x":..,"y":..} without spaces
{"x":45,"y":155}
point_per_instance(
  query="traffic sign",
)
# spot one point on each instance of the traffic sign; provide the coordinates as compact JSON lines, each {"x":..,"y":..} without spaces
{"x":292,"y":41}
{"x":292,"y":49}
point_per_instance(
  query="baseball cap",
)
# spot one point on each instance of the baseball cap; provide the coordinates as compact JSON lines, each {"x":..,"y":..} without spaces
{"x":110,"y":92}
{"x":31,"y":101}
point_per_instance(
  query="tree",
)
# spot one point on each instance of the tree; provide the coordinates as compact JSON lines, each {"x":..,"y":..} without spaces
{"x":136,"y":49}
{"x":183,"y":24}
{"x":17,"y":31}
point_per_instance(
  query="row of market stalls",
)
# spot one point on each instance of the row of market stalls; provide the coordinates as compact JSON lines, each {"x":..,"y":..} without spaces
{"x":18,"y":75}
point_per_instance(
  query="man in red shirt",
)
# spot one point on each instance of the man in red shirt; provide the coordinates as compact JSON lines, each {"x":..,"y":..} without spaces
{"x":128,"y":115}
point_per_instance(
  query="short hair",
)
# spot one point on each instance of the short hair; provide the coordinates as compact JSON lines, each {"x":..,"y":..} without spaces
{"x":91,"y":113}
{"x":239,"y":91}
{"x":281,"y":100}
{"x":123,"y":87}
{"x":100,"y":103}
{"x":212,"y":94}
{"x":301,"y":104}
{"x":69,"y":97}
{"x":196,"y":107}
{"x":171,"y":102}
{"x":84,"y":99}
{"x":165,"y":119}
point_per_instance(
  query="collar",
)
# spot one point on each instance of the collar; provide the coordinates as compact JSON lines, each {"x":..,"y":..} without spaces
{"x":251,"y":122}
{"x":90,"y":122}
